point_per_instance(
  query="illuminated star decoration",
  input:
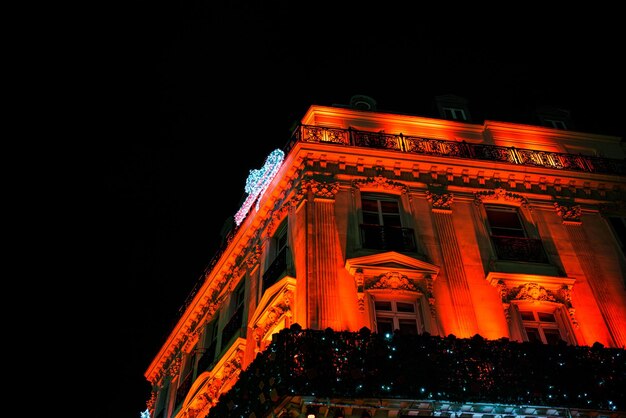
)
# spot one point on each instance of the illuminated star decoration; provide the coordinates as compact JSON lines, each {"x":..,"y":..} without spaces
{"x":258,"y":181}
{"x":145,"y":414}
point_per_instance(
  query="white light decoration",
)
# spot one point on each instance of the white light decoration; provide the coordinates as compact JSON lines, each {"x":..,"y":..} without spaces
{"x":145,"y":414}
{"x":258,"y":181}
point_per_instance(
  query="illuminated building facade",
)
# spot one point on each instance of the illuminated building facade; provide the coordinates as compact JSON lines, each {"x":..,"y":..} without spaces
{"x":392,"y":265}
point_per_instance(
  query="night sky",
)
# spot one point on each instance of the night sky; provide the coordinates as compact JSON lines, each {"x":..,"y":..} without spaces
{"x":199,"y":93}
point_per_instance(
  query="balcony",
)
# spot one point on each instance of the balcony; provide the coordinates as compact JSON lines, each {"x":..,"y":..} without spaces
{"x":529,"y":250}
{"x":348,"y":366}
{"x":388,"y":238}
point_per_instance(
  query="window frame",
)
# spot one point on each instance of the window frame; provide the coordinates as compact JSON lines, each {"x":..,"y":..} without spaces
{"x":492,"y":208}
{"x":562,"y":322}
{"x":395,"y":315}
{"x":451,"y":113}
{"x":379,"y":198}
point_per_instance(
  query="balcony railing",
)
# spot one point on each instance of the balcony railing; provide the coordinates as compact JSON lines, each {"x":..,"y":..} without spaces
{"x":378,"y":237}
{"x":277,"y":269}
{"x":519,"y":249}
{"x":364,"y":365}
{"x":457,"y":149}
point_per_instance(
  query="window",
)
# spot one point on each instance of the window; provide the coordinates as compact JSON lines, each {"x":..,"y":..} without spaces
{"x":209,"y":348}
{"x":279,"y":251}
{"x":454,"y":113}
{"x":394,"y":315}
{"x":504,"y":221}
{"x":555,"y":123}
{"x":541,"y":327}
{"x":509,"y":236}
{"x":380,"y":211}
{"x":382,"y":224}
{"x":236,"y":314}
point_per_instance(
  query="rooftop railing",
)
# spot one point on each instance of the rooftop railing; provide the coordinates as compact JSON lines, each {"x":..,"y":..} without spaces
{"x":456,"y":149}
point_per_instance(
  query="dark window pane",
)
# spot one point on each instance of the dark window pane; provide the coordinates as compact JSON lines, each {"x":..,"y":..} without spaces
{"x":388,"y":206}
{"x":405,"y":307}
{"x":533,"y":335}
{"x":371,"y":219}
{"x":553,"y":336}
{"x":384,"y":325}
{"x":505,"y":223}
{"x":369,"y":205}
{"x":527,"y":316}
{"x":391,"y":220}
{"x":407,"y":326}
{"x":383,"y":305}
{"x":546,"y":317}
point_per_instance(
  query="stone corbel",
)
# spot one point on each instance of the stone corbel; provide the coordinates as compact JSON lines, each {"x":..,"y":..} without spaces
{"x":440,"y":201}
{"x":570,"y":214}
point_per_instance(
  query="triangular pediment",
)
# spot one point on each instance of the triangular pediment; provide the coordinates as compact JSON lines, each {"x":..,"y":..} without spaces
{"x":391,"y":260}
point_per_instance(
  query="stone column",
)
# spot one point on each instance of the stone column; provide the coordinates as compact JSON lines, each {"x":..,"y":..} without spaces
{"x":322,"y":256}
{"x":453,"y":264}
{"x":570,"y":216}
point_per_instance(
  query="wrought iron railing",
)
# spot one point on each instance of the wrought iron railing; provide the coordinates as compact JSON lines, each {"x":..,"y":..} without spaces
{"x":457,"y":149}
{"x":519,"y":249}
{"x":277,"y":269}
{"x":364,"y":365}
{"x":390,"y":238}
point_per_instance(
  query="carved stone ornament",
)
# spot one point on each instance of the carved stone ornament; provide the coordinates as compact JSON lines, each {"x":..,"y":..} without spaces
{"x":324,"y":190}
{"x":253,"y":257}
{"x":531,"y":291}
{"x":174,"y":368}
{"x":393,"y":281}
{"x":380,"y":182}
{"x":152,"y":401}
{"x":569,"y":213}
{"x":440,"y":201}
{"x":499,"y":194}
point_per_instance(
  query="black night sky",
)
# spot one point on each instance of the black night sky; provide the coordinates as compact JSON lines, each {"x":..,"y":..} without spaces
{"x":199,"y":93}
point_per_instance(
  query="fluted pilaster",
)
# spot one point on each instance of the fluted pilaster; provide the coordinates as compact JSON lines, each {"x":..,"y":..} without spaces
{"x":453,"y":262}
{"x":323,"y":246}
{"x":593,"y":271}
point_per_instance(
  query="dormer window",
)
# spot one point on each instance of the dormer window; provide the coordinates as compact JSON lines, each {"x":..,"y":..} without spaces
{"x":555,"y":123}
{"x":452,"y":107}
{"x":454,"y":113}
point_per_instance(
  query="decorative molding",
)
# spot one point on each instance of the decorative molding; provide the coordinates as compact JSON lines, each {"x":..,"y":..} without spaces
{"x":533,"y":292}
{"x":568,"y":213}
{"x":274,"y":315}
{"x":174,"y":368}
{"x":440,"y":200}
{"x":320,"y":189}
{"x":394,"y":281}
{"x":380,"y":182}
{"x":499,"y":194}
{"x":253,"y":256}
